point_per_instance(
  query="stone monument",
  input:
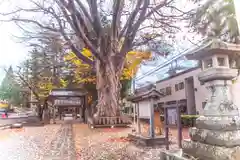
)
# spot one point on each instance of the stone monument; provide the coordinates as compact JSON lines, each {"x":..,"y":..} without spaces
{"x":217,"y":133}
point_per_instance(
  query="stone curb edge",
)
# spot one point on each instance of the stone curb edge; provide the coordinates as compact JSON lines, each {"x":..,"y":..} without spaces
{"x":7,"y":126}
{"x":2,"y":127}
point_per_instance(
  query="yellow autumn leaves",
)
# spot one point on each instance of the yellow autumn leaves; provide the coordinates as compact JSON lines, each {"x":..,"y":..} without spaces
{"x":132,"y":63}
{"x":83,"y":71}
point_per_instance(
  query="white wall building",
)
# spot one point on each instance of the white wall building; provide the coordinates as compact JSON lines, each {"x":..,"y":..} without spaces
{"x":186,"y":88}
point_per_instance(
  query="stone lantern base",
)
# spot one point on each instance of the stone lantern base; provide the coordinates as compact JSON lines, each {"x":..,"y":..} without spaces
{"x":217,"y":133}
{"x":213,"y":138}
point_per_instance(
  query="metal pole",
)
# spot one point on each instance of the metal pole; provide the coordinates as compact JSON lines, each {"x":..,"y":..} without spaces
{"x":134,"y":85}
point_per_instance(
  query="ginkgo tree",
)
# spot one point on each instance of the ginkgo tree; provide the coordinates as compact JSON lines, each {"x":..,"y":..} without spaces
{"x":83,"y":71}
{"x":85,"y":74}
{"x":109,"y":29}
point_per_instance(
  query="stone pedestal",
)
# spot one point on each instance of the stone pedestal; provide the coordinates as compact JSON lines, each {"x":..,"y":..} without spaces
{"x":217,"y":133}
{"x":214,"y":138}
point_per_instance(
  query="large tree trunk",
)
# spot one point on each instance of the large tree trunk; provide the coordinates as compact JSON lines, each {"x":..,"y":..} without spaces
{"x":108,"y":87}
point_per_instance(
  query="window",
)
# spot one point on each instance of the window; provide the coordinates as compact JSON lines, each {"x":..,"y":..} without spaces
{"x":162,"y":90}
{"x":156,"y":108}
{"x":181,"y":86}
{"x":176,"y":87}
{"x":204,"y":104}
{"x":208,"y":63}
{"x":168,"y":91}
{"x":220,"y":61}
{"x":233,"y":63}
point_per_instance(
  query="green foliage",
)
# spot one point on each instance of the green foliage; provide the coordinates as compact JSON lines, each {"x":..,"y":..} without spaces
{"x":186,"y":120}
{"x":216,"y":19}
{"x":9,"y":89}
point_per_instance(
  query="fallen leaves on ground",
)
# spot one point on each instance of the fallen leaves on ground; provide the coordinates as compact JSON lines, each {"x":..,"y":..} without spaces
{"x":110,"y":144}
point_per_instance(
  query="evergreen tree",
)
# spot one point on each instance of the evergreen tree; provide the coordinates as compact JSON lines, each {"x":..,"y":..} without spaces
{"x":217,"y":19}
{"x":9,"y":89}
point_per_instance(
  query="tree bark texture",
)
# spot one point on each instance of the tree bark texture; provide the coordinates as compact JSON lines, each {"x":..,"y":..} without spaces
{"x":108,"y":86}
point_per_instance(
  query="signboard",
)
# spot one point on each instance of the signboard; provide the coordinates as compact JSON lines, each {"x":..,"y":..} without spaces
{"x":4,"y":104}
{"x":66,"y":93}
{"x":68,"y":102}
{"x":144,"y":109}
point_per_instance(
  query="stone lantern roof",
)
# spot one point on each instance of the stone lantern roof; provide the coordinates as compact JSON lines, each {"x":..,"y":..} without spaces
{"x":212,"y":47}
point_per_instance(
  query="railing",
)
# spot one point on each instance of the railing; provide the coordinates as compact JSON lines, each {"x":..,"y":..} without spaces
{"x":109,"y":121}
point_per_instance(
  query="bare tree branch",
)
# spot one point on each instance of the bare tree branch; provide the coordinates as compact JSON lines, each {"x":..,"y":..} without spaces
{"x":96,"y":17}
{"x":117,"y":13}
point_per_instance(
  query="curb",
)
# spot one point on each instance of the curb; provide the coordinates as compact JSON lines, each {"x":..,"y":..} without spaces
{"x":7,"y":126}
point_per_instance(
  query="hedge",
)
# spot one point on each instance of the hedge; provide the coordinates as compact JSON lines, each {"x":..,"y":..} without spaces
{"x":187,"y":120}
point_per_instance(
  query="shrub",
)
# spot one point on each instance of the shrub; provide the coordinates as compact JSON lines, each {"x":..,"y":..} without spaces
{"x":186,"y":120}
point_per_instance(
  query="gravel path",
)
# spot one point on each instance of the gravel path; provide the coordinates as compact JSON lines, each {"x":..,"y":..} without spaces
{"x":50,"y":142}
{"x":27,"y":143}
{"x":62,"y":147}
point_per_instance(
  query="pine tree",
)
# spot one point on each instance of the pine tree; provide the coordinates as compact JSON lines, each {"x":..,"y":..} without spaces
{"x":217,"y":19}
{"x":9,"y":89}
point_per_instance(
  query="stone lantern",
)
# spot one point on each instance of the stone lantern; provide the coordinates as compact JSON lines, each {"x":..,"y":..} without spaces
{"x":217,"y":132}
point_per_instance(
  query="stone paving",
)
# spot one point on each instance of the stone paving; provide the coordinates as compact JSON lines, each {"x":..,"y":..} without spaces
{"x":62,"y":147}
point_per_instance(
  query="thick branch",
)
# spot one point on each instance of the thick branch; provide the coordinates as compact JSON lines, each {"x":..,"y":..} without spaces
{"x":96,"y":17}
{"x":131,"y":19}
{"x":117,"y":12}
{"x":75,"y":23}
{"x":84,"y":10}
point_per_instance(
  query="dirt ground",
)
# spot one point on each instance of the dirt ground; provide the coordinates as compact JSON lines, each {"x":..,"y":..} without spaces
{"x":112,"y":144}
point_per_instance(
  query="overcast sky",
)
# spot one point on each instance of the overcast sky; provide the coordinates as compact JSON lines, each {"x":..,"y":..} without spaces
{"x":12,"y":53}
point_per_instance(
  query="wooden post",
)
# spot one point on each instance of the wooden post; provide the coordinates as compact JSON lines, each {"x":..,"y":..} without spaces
{"x":166,"y":127}
{"x":134,"y":114}
{"x":54,"y":115}
{"x":179,"y":125}
{"x":85,"y":107}
{"x":152,"y":132}
{"x":138,"y":119}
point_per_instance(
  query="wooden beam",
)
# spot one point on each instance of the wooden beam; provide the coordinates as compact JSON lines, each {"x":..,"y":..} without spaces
{"x":179,"y":125}
{"x":152,"y":126}
{"x":166,"y":127}
{"x":138,"y":119}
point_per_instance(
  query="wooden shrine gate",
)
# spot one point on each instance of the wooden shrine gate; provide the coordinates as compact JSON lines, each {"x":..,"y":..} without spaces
{"x":74,"y":100}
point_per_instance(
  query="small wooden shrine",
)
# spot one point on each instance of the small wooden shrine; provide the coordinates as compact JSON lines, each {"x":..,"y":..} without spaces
{"x":68,"y":100}
{"x":148,"y":133}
